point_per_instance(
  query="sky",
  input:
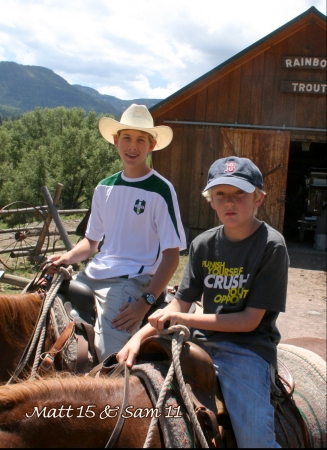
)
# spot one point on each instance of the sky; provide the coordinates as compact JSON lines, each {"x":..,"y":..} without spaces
{"x":137,"y":48}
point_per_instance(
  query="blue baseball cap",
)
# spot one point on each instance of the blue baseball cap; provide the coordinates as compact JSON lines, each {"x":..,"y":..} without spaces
{"x":234,"y":171}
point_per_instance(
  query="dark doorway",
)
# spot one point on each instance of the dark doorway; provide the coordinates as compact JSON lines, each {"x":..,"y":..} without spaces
{"x":301,"y":160}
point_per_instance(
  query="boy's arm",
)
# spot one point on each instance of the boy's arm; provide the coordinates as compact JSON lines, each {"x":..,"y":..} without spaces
{"x":243,"y":321}
{"x":166,"y":269}
{"x":130,"y":350}
{"x":131,"y":314}
{"x":82,"y":251}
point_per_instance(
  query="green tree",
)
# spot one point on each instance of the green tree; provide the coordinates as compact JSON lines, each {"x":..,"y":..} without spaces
{"x":47,"y":146}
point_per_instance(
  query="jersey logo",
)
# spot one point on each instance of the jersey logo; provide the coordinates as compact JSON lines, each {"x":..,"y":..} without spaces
{"x":230,"y":167}
{"x":139,"y":206}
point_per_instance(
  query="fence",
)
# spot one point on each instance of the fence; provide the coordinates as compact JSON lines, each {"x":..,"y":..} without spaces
{"x":28,"y":233}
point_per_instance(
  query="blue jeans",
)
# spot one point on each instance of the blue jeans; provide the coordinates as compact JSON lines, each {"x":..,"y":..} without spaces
{"x":245,"y":383}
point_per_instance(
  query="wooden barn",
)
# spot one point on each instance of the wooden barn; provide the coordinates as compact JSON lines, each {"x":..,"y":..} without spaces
{"x":267,"y":103}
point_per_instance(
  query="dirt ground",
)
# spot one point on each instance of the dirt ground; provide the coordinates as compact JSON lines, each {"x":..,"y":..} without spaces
{"x":306,"y":296}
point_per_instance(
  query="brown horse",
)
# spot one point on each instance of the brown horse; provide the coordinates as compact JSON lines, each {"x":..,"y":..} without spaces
{"x":18,"y":315}
{"x":82,"y":411}
{"x":71,"y":412}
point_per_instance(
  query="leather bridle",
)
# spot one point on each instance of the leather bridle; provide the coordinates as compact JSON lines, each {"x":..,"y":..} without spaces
{"x":121,"y":419}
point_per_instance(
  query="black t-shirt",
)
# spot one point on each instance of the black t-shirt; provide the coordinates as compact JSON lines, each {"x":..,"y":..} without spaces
{"x":234,"y":275}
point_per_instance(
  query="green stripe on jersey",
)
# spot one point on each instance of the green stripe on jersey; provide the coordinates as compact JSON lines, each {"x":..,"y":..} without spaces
{"x":151,"y":184}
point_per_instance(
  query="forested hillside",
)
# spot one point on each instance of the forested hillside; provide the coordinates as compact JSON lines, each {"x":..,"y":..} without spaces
{"x":23,"y":88}
{"x":47,"y":146}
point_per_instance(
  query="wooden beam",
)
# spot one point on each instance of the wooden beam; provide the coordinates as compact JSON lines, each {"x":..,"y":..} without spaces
{"x":47,"y":222}
{"x":13,"y":280}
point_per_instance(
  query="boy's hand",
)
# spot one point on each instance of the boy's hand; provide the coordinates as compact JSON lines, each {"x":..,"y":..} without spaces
{"x":57,"y":260}
{"x":130,"y":316}
{"x":129,"y":352}
{"x":159,"y":318}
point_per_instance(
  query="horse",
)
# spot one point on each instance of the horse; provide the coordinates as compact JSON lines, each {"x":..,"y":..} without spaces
{"x":73,"y":411}
{"x":18,"y":315}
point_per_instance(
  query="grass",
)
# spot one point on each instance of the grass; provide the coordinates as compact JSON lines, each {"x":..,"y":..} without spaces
{"x":178,"y":275}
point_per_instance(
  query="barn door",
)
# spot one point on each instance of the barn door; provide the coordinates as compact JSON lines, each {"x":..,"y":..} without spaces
{"x":269,"y":150}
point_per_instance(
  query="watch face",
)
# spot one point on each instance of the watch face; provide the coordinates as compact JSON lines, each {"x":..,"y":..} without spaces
{"x":150,"y":298}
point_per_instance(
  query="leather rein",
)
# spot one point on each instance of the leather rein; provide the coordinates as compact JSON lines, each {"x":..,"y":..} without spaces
{"x":121,"y":419}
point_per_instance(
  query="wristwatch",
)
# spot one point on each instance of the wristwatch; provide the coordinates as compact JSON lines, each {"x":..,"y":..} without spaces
{"x":149,"y":298}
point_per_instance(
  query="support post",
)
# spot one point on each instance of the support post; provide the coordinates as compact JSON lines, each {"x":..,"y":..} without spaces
{"x":47,"y":220}
{"x":53,"y":211}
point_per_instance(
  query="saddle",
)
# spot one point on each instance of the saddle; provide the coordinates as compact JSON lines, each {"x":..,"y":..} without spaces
{"x":201,"y":380}
{"x":290,"y":427}
{"x":79,"y":301}
{"x":75,"y":303}
{"x":199,"y":373}
{"x":200,"y":376}
{"x":72,"y":318}
{"x":204,"y":389}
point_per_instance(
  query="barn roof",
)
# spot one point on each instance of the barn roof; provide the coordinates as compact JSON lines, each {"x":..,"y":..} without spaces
{"x":281,"y":33}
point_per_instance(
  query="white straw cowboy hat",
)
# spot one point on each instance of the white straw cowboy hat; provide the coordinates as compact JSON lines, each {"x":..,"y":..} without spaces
{"x":136,"y":117}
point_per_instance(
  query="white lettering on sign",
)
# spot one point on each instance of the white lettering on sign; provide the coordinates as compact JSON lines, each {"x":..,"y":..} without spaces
{"x":307,"y":87}
{"x":305,"y":62}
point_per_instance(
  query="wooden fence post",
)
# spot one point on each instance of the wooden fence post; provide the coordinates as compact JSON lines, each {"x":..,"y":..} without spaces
{"x":47,"y":220}
{"x":55,"y":215}
{"x":53,"y":210}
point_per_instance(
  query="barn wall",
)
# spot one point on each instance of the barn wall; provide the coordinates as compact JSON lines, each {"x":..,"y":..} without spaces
{"x":186,"y":164}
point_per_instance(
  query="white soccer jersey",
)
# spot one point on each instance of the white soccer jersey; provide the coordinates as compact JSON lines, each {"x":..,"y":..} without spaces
{"x":139,"y":218}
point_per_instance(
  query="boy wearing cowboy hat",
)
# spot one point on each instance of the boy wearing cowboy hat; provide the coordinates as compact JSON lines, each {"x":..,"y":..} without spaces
{"x":240,"y":269}
{"x":137,"y":212}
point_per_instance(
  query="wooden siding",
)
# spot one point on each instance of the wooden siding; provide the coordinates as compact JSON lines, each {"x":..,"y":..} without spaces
{"x":201,"y":146}
{"x":257,"y":145}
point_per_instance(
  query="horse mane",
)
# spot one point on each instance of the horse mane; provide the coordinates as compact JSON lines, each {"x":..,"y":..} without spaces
{"x":60,"y":387}
{"x":18,"y":314}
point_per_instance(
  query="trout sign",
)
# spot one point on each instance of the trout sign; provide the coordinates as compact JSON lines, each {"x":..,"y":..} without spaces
{"x":304,"y":87}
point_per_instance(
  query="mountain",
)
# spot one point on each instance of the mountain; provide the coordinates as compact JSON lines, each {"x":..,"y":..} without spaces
{"x":119,"y":105}
{"x":23,"y":88}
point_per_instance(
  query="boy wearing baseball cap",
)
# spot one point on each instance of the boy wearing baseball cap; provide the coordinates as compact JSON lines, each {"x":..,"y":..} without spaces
{"x":137,"y":213}
{"x":240,"y":268}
